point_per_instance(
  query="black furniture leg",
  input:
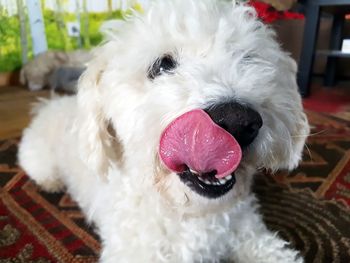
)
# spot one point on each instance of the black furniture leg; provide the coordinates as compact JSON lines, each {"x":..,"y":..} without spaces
{"x":335,"y":44}
{"x":312,"y":20}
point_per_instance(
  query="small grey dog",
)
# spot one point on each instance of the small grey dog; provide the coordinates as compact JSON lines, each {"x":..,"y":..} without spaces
{"x":65,"y":79}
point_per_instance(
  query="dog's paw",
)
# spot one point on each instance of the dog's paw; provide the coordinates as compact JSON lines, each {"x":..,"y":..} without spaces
{"x":51,"y":185}
{"x":266,"y":248}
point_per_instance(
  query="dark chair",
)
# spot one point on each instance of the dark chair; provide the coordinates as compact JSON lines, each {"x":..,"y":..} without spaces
{"x":313,"y":9}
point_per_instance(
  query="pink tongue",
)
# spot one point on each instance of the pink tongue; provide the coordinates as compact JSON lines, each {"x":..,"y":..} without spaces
{"x":195,"y":141}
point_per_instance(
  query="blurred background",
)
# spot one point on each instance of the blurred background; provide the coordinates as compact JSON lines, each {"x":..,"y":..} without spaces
{"x":67,"y":25}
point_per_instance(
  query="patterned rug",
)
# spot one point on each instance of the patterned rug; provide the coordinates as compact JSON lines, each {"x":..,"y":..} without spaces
{"x":310,"y":207}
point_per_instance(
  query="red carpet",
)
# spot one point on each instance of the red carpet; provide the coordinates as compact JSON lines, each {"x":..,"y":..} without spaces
{"x":328,"y":100}
{"x":36,"y":226}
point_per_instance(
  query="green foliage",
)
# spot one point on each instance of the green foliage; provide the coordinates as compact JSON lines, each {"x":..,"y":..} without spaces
{"x":10,"y":57}
{"x":57,"y":37}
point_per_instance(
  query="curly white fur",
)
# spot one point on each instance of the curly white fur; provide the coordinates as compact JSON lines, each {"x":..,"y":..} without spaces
{"x":102,"y":144}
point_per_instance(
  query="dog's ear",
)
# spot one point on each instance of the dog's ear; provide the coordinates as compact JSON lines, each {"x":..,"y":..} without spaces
{"x":299,"y":136}
{"x":95,"y":143}
{"x":301,"y":124}
{"x":289,"y":128}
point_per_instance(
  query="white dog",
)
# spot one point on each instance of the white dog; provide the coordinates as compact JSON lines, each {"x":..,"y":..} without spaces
{"x":173,"y":116}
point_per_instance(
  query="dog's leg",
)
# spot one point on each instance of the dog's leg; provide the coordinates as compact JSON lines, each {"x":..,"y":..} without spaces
{"x":42,"y":140}
{"x":265,"y":248}
{"x":255,"y":243}
{"x":38,"y":162}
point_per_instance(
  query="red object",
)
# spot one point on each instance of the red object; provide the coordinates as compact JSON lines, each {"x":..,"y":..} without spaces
{"x":329,"y":101}
{"x":269,"y":14}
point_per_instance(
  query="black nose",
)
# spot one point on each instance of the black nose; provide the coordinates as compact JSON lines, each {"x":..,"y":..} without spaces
{"x":240,"y":120}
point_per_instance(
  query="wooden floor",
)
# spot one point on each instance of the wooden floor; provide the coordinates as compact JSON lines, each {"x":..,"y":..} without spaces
{"x":15,"y":105}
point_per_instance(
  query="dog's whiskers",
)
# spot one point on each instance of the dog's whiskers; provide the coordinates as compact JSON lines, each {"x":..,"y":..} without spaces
{"x":309,"y":151}
{"x":308,"y":135}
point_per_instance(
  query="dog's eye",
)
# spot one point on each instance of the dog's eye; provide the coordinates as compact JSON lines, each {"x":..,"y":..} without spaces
{"x":166,"y":64}
{"x":247,"y":59}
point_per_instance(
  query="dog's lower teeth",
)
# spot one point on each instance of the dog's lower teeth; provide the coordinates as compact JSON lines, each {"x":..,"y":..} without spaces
{"x":222,"y":181}
{"x":216,"y":182}
{"x":194,"y":172}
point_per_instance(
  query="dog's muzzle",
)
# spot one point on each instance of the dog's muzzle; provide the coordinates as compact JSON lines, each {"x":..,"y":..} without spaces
{"x":241,"y":121}
{"x":204,"y":147}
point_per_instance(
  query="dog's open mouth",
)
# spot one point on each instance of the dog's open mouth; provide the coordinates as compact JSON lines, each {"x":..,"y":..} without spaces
{"x":207,"y":184}
{"x":203,"y":154}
